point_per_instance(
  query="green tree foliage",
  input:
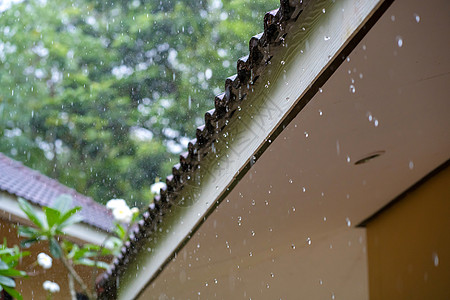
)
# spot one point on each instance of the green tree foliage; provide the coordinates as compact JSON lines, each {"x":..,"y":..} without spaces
{"x":102,"y":95}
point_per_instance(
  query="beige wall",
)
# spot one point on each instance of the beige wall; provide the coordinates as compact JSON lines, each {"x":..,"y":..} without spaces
{"x":409,"y":244}
{"x":31,"y":287}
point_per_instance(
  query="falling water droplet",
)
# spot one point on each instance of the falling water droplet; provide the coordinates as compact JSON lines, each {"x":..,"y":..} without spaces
{"x":349,"y":223}
{"x":435,"y":259}
{"x":306,"y":134}
{"x":375,"y":122}
{"x":272,"y":275}
{"x":253,"y":233}
{"x":320,"y":112}
{"x":326,"y":38}
{"x":417,"y":17}
{"x":411,"y":165}
{"x":308,"y":240}
{"x":304,"y":189}
{"x":290,"y":181}
{"x":293,"y":246}
{"x":323,"y":10}
{"x":399,"y":41}
{"x":250,"y":254}
{"x":352,"y":89}
{"x":348,"y":158}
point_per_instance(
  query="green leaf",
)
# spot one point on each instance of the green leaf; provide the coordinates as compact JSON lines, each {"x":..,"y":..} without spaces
{"x":120,"y":231}
{"x":12,"y":273}
{"x":52,"y":216}
{"x":3,"y":265}
{"x":15,"y":294}
{"x":55,"y":249}
{"x":91,"y":263}
{"x":27,"y":243}
{"x":70,"y":221}
{"x":62,"y":203}
{"x":67,"y":215}
{"x":28,"y":232}
{"x":31,"y":214}
{"x":6,"y":281}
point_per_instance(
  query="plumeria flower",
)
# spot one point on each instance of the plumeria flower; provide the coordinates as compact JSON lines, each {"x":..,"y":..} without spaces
{"x":50,"y":286}
{"x":115,"y":203}
{"x":44,"y":260}
{"x":122,"y":214}
{"x":156,"y":187}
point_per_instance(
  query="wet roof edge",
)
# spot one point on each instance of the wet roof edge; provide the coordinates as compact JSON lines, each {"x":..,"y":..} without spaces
{"x":250,"y":114}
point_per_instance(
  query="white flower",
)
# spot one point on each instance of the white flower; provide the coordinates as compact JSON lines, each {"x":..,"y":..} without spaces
{"x":122,"y":214}
{"x":156,"y":187}
{"x":50,"y":286}
{"x":44,"y":260}
{"x":135,"y":210}
{"x":115,"y":203}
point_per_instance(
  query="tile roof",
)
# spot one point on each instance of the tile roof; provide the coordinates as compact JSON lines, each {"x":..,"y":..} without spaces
{"x":249,"y":69}
{"x":19,"y":180}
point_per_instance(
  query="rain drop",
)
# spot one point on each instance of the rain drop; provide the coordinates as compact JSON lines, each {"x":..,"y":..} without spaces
{"x":326,"y":38}
{"x":417,"y":17}
{"x":352,"y":89}
{"x":349,"y":223}
{"x":411,"y":165}
{"x":399,"y":41}
{"x":308,"y":240}
{"x":293,"y":246}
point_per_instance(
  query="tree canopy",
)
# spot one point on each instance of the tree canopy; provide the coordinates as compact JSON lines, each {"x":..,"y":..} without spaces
{"x":103,"y":95}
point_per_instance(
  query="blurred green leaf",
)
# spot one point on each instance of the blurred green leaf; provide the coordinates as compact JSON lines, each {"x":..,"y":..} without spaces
{"x":6,"y":281}
{"x":62,"y":203}
{"x":15,"y":294}
{"x":67,"y":218}
{"x":52,"y":215}
{"x":31,"y":214}
{"x":55,"y":249}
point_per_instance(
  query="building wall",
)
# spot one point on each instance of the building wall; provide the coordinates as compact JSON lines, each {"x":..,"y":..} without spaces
{"x":409,"y":244}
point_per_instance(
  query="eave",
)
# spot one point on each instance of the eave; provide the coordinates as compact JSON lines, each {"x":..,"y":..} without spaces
{"x":227,"y":147}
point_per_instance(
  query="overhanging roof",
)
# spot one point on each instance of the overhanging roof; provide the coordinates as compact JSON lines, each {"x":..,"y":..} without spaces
{"x":286,"y":84}
{"x":21,"y":181}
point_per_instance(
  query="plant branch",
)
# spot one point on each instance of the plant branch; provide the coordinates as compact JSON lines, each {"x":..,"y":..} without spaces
{"x":77,"y":277}
{"x":73,"y":294}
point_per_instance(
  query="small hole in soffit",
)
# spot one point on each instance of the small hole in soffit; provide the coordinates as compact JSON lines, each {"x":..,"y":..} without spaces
{"x":369,"y":157}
